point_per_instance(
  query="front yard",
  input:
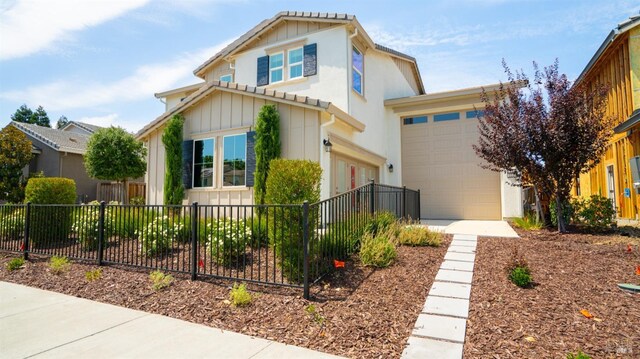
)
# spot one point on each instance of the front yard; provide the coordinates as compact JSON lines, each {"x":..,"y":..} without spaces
{"x":571,"y":272}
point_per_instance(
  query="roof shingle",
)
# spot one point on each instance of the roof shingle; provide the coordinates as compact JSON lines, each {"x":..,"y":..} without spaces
{"x":59,"y":140}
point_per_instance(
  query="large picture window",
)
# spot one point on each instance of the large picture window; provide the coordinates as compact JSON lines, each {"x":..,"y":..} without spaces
{"x":357,"y":64}
{"x":235,"y":159}
{"x":276,"y":66}
{"x":203,"y":151}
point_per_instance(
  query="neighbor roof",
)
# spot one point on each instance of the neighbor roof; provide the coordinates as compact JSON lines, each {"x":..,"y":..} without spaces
{"x":59,"y":140}
{"x":622,"y":28}
{"x":269,"y":94}
{"x":267,"y":24}
{"x":85,"y":126}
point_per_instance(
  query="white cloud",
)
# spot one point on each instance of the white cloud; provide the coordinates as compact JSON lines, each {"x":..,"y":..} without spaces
{"x":104,"y":121}
{"x":142,"y":83}
{"x":29,"y":26}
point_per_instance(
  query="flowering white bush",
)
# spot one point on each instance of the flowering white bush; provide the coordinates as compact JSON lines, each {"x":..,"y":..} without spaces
{"x":227,"y":239}
{"x":159,"y":234}
{"x":12,"y":225}
{"x":86,"y":225}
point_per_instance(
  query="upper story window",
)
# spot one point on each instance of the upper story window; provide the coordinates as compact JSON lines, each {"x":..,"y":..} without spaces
{"x":227,"y":78}
{"x":276,"y":65}
{"x":357,"y":64}
{"x":295,"y":63}
{"x":235,"y":159}
{"x":203,"y":151}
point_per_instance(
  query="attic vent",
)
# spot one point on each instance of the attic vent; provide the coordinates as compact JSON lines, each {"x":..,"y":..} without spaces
{"x":73,"y":139}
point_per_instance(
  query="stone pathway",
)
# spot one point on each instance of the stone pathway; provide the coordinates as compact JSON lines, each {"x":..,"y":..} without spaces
{"x":440,"y":329}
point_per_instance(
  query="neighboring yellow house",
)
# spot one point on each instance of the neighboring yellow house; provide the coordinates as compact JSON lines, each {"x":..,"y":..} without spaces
{"x":617,"y":64}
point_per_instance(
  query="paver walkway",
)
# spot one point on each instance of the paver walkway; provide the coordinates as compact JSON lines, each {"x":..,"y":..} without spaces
{"x":440,"y":329}
{"x":43,"y":324}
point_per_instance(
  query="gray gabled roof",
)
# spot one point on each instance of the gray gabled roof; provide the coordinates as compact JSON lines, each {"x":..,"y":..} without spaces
{"x":83,"y":125}
{"x":62,"y":141}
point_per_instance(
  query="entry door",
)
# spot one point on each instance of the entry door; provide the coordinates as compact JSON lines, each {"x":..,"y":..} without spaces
{"x":611,"y":185}
{"x":350,"y":173}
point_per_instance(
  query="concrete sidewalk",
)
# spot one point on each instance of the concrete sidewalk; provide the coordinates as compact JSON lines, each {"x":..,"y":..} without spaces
{"x":43,"y":324}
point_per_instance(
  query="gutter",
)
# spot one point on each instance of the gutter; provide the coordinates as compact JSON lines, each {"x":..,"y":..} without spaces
{"x":605,"y":44}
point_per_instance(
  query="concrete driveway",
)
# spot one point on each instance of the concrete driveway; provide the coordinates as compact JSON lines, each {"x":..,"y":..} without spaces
{"x":478,"y":228}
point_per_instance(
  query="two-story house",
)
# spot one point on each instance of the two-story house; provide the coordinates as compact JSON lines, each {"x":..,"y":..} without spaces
{"x":356,"y":107}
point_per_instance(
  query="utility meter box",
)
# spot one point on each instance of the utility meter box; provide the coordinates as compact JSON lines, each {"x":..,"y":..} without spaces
{"x":635,"y":171}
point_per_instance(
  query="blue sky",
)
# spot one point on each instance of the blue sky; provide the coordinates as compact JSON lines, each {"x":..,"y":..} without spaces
{"x":102,"y":61}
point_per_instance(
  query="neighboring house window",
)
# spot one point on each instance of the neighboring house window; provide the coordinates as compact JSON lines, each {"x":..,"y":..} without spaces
{"x":415,"y":120}
{"x":203,"y":151}
{"x":357,"y":64}
{"x":227,"y":78}
{"x":294,"y":58}
{"x":235,"y":159}
{"x":276,"y":65}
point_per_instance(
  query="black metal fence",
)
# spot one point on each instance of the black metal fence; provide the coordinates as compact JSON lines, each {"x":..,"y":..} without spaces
{"x":287,"y":245}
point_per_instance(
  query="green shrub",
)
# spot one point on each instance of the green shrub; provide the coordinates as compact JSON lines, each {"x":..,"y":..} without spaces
{"x":567,"y":212}
{"x":343,"y":238}
{"x":291,"y":182}
{"x":377,"y":250}
{"x":86,"y":225}
{"x":160,"y":280}
{"x":259,"y":231}
{"x":417,"y":235}
{"x":596,"y":213}
{"x":529,"y":222}
{"x":12,"y":223}
{"x":59,"y":265}
{"x":15,"y":263}
{"x":239,"y":295}
{"x":127,"y":222}
{"x":380,"y":222}
{"x":93,"y":275}
{"x":159,"y":235}
{"x":138,"y":201}
{"x":521,"y":277}
{"x":227,"y":239}
{"x":50,"y":222}
{"x":578,"y":355}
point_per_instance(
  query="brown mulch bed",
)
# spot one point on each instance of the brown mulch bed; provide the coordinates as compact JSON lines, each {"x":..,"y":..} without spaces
{"x":364,"y":312}
{"x":571,"y":272}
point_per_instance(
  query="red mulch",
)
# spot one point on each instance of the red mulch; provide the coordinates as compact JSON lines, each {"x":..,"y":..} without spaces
{"x":367,"y":313}
{"x":571,"y":272}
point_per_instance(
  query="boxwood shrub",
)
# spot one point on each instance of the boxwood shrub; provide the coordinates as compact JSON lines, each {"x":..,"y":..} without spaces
{"x":50,"y":223}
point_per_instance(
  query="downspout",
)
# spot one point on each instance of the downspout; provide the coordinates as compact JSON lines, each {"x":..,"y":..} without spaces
{"x":349,"y":45}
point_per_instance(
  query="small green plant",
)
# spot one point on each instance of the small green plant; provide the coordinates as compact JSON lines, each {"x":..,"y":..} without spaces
{"x":160,"y":280}
{"x":15,"y":263}
{"x":578,"y":355}
{"x":521,"y":277}
{"x":416,"y":235}
{"x":529,"y":222}
{"x":59,"y":265}
{"x":93,"y":275}
{"x":312,"y":311}
{"x":377,"y":250}
{"x":227,"y":239}
{"x":380,"y":222}
{"x":239,"y":295}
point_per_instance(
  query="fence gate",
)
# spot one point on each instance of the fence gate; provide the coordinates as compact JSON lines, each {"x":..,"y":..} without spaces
{"x":113,"y":191}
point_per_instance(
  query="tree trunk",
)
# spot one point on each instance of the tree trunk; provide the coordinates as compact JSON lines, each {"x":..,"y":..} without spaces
{"x":562,"y":226}
{"x":125,"y":192}
{"x":538,"y":205}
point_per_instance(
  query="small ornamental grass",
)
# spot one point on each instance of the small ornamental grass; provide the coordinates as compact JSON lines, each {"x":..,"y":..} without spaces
{"x":239,"y":296}
{"x":160,"y":280}
{"x":160,"y":234}
{"x":416,"y":235}
{"x":529,"y":222}
{"x":227,"y":239}
{"x":578,"y":355}
{"x":381,"y":222}
{"x":15,"y":264}
{"x":377,"y":250}
{"x":93,"y":275}
{"x":59,"y":265}
{"x":518,"y":270}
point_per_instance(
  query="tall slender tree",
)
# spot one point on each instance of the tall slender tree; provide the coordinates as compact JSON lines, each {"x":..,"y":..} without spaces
{"x":549,"y":133}
{"x":267,"y":147}
{"x":172,"y":140}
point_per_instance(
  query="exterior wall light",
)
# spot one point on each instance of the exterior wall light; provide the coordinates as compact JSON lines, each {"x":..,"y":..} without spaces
{"x":390,"y":167}
{"x":327,"y":145}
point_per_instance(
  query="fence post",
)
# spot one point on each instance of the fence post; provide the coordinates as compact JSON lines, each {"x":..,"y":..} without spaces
{"x":194,"y":240}
{"x":404,"y":202}
{"x":372,"y":199}
{"x":27,"y":219}
{"x":101,"y":232}
{"x":305,"y":247}
{"x":419,"y":216}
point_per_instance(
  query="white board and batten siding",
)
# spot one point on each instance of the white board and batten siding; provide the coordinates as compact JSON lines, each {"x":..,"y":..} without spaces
{"x":224,"y":113}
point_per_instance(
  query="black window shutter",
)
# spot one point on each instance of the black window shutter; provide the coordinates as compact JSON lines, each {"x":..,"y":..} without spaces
{"x":251,"y":157}
{"x":310,"y":60}
{"x":263,"y":71}
{"x":187,"y":163}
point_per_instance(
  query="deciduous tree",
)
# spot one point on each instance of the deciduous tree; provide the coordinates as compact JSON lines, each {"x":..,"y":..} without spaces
{"x":549,"y":132}
{"x":15,"y":154}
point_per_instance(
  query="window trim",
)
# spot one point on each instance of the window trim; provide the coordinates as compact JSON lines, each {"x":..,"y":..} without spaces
{"x":353,"y":68}
{"x":271,"y":69}
{"x":245,"y":160}
{"x":213,"y":165}
{"x":290,"y":65}
{"x":230,"y":75}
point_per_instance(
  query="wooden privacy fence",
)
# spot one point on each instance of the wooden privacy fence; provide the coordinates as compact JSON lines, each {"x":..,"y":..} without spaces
{"x":113,"y":191}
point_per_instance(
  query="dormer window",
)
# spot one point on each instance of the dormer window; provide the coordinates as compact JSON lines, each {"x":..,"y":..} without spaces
{"x":357,"y":65}
{"x":276,"y":65}
{"x":295,"y":63}
{"x":227,"y":78}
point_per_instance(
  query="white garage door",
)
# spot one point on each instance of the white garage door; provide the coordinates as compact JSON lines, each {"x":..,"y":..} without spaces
{"x":438,"y":159}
